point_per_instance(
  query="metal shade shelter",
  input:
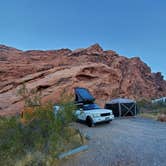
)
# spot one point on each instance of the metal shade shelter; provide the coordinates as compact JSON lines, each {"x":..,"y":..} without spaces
{"x":122,"y":107}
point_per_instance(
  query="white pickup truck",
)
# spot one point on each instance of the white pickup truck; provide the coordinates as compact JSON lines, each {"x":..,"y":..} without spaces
{"x":92,"y":114}
{"x":87,"y":110}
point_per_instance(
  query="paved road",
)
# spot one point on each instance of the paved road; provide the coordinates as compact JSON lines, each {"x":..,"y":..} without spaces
{"x":123,"y":142}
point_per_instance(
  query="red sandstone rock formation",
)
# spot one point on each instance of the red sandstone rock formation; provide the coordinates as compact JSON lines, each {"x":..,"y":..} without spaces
{"x":105,"y":73}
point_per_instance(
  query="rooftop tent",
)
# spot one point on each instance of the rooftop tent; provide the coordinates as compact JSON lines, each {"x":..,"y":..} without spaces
{"x":82,"y":95}
{"x":122,"y":107}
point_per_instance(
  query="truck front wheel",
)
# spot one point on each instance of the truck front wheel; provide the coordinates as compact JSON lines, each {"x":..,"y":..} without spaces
{"x":89,"y":121}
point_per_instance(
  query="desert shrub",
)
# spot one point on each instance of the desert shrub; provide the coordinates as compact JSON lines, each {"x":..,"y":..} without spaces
{"x":147,"y":106}
{"x":161,"y":117}
{"x":143,"y":103}
{"x":10,"y":140}
{"x":37,"y":159}
{"x":31,"y":97}
{"x":155,"y":111}
{"x":41,"y":137}
{"x":159,"y":106}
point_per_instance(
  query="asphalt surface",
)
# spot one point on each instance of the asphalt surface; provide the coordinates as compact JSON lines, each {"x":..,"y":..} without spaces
{"x":123,"y":142}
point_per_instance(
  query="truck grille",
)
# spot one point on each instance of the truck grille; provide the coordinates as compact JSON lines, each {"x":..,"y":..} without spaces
{"x":105,"y":114}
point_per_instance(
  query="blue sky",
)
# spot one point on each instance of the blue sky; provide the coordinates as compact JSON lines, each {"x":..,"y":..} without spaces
{"x":130,"y":27}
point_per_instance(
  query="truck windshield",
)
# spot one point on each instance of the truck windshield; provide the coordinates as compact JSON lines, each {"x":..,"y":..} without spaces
{"x":90,"y":106}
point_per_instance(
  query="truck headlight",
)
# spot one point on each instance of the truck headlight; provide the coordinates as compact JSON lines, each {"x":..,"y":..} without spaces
{"x":96,"y":115}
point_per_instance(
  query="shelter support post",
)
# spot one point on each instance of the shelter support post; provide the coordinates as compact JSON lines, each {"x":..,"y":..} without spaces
{"x":119,"y":109}
{"x":135,"y":109}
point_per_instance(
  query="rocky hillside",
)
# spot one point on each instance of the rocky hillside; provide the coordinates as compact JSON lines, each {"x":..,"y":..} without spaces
{"x":105,"y":73}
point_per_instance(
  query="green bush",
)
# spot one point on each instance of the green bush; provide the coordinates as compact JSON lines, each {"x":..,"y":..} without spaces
{"x":10,"y":140}
{"x":41,"y":139}
{"x":147,"y":106}
{"x":37,"y":159}
{"x":31,"y":97}
{"x":155,"y":111}
{"x":143,"y":103}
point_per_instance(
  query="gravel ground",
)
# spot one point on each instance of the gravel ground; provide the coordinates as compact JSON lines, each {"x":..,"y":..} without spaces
{"x":123,"y":142}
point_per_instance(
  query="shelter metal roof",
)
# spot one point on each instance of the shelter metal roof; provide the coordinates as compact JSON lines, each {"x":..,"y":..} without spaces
{"x":121,"y":100}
